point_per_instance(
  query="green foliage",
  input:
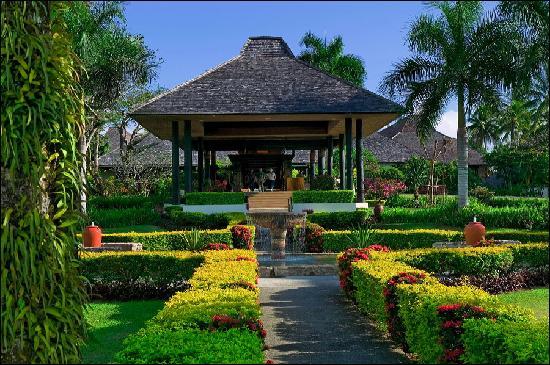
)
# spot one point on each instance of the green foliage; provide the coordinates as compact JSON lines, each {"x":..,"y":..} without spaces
{"x":481,"y":193}
{"x":331,"y":58}
{"x":42,"y":115}
{"x":173,"y":240}
{"x":323,"y":182}
{"x":119,"y":202}
{"x":185,"y":220}
{"x":505,"y":342}
{"x":213,"y":198}
{"x":192,"y":346}
{"x":416,"y":170}
{"x":530,"y":255}
{"x":340,"y":220}
{"x":506,"y":201}
{"x":408,"y":201}
{"x":139,"y":274}
{"x":109,"y":218}
{"x":534,"y":299}
{"x":327,"y":196}
{"x":362,"y":236}
{"x":390,"y":172}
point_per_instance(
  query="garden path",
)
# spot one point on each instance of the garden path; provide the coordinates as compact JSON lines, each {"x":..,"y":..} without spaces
{"x":310,"y":321}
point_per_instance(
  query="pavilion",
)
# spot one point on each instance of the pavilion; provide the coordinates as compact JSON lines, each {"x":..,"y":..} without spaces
{"x":261,"y":102}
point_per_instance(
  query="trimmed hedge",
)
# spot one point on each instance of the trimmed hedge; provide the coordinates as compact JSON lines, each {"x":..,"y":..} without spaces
{"x":187,"y":220}
{"x":505,"y":342}
{"x":119,"y":202}
{"x":192,"y":346}
{"x":183,"y":331}
{"x":340,"y":220}
{"x":508,"y":201}
{"x":323,"y":196}
{"x":174,"y":240}
{"x":109,"y":218}
{"x":214,"y":198}
{"x":337,"y":241}
{"x":419,"y":304}
{"x":138,"y":274}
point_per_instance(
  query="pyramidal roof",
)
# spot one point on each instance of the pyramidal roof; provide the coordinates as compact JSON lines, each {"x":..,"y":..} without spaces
{"x":266,"y":78}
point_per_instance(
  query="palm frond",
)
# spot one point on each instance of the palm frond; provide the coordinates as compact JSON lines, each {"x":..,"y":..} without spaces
{"x":409,"y":70}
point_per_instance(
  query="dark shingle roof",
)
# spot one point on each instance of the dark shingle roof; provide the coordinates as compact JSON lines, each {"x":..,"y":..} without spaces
{"x":403,"y":132}
{"x":266,"y":78}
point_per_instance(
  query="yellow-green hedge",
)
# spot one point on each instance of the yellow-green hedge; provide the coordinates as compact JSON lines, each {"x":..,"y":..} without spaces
{"x":417,"y":303}
{"x":337,"y":241}
{"x":173,"y":240}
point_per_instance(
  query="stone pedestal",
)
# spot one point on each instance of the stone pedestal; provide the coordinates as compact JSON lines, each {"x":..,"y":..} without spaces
{"x":118,"y":246}
{"x":278,"y":242}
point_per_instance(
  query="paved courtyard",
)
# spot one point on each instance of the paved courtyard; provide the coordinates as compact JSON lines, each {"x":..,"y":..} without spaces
{"x":310,"y":321}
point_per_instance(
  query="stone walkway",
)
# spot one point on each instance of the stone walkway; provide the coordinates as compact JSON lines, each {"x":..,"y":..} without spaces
{"x":310,"y":321}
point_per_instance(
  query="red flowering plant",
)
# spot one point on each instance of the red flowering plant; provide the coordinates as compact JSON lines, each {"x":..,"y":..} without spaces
{"x":218,"y":186}
{"x":313,"y":237}
{"x":217,"y":247}
{"x":453,"y":316}
{"x":347,"y":258}
{"x":378,"y":188}
{"x":242,"y":258}
{"x":395,"y":325}
{"x":222,"y":322}
{"x":242,"y":237}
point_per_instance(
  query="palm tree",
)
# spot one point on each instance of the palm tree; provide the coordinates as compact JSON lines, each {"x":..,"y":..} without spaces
{"x":331,"y":58}
{"x":456,"y":54}
{"x":515,"y":122}
{"x":483,"y":129}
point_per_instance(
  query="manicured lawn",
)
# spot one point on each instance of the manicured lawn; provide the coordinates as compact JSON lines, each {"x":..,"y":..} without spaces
{"x":535,"y":299}
{"x":138,"y":229}
{"x":110,"y":322}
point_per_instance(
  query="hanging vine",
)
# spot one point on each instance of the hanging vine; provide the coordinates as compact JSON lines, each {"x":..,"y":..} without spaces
{"x":42,"y":113}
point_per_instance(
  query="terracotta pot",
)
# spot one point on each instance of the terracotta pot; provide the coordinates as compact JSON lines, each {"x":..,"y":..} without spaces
{"x":378,"y":209}
{"x":474,"y":233}
{"x":92,"y":236}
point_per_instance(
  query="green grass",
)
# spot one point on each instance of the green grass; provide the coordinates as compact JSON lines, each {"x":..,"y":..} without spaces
{"x":110,"y":322}
{"x":535,"y":299}
{"x":138,"y":229}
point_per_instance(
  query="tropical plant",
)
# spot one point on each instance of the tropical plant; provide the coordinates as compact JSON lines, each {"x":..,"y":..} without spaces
{"x":362,"y":236}
{"x":194,"y":240}
{"x":456,"y":54}
{"x":416,"y":171}
{"x":482,"y":130}
{"x":331,"y":58}
{"x":42,"y":115}
{"x":114,"y":59}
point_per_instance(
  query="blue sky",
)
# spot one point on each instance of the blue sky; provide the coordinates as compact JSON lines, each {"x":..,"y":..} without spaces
{"x":192,"y":37}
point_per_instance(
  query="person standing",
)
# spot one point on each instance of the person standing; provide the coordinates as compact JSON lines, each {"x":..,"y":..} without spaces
{"x":271,"y":179}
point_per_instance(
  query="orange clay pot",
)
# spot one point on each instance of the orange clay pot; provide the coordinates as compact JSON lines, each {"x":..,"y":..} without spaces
{"x":474,"y":233}
{"x":92,"y":236}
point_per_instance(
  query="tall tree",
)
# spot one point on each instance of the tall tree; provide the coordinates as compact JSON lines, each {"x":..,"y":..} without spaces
{"x":114,"y":60}
{"x":458,"y":54}
{"x":483,"y":129}
{"x":42,"y":112}
{"x":331,"y":58}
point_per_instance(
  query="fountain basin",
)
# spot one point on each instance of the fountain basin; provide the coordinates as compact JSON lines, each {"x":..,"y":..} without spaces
{"x":306,"y":264}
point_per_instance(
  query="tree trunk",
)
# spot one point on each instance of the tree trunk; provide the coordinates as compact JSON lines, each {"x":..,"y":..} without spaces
{"x":83,"y":148}
{"x":96,"y":153}
{"x":462,"y":151}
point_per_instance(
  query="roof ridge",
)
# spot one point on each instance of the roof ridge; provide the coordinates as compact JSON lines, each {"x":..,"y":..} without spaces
{"x":185,"y":83}
{"x":361,"y":88}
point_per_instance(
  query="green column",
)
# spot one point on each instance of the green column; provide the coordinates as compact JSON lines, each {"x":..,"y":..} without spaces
{"x":341,"y":142}
{"x":311,"y":165}
{"x":359,"y":160}
{"x":329,"y":155}
{"x":201,"y":164}
{"x":175,"y":164}
{"x":188,"y":156}
{"x":321,"y":161}
{"x":349,"y":162}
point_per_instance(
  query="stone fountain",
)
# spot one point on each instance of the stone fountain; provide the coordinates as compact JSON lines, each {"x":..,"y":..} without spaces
{"x":278,"y":224}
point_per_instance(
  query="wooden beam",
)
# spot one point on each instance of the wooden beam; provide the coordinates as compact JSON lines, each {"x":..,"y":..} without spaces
{"x":175,"y":164}
{"x":359,"y":160}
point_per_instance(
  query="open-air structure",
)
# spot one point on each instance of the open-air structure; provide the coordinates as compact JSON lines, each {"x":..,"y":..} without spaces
{"x":260,"y":103}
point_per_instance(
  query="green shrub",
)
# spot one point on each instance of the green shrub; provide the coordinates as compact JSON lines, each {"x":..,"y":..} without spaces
{"x":185,"y":220}
{"x":327,"y":196}
{"x":392,"y":173}
{"x":340,"y":220}
{"x":508,"y":201}
{"x":192,"y":346}
{"x":214,"y":198}
{"x":530,"y":255}
{"x":482,"y":193}
{"x":195,"y":308}
{"x":109,"y":218}
{"x":119,"y":202}
{"x":505,"y":342}
{"x":323,"y":182}
{"x":138,"y":274}
{"x":174,"y":240}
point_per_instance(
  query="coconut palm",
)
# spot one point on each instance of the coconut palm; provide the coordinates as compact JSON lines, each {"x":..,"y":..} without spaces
{"x":458,"y":54}
{"x":483,"y":129}
{"x":331,"y":58}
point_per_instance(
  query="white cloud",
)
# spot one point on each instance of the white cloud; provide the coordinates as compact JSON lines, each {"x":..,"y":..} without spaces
{"x":448,"y":123}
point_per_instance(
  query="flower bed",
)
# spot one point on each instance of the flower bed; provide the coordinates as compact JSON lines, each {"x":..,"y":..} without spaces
{"x":435,"y":321}
{"x":216,"y":321}
{"x":337,"y":241}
